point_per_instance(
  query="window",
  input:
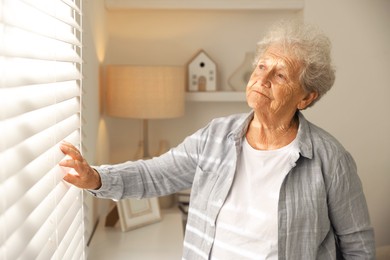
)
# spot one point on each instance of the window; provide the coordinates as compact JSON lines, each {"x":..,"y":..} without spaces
{"x":40,"y":84}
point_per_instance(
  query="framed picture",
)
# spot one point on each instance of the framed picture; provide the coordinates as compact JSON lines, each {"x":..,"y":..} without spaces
{"x":135,"y":213}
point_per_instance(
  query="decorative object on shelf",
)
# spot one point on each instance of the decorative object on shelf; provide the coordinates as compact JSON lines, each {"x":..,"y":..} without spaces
{"x":143,"y":92}
{"x":239,"y":79}
{"x":202,"y":73}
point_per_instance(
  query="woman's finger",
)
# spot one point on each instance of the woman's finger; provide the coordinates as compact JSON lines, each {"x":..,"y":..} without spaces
{"x":73,"y":179}
{"x":71,"y":163}
{"x":67,"y":163}
{"x":79,"y":167}
{"x":71,"y":150}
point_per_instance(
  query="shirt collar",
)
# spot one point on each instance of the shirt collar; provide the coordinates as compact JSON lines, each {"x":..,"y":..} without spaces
{"x":304,"y":142}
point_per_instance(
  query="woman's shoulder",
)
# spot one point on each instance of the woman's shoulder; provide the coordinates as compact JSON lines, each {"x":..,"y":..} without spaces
{"x":326,"y":143}
{"x":231,"y":122}
{"x":233,"y":118}
{"x":319,"y":139}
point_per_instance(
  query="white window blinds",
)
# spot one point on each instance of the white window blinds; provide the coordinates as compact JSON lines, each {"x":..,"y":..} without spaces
{"x":40,"y":85}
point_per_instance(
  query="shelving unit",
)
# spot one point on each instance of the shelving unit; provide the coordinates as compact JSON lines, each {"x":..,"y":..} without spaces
{"x":284,"y":6}
{"x":207,"y":4}
{"x":218,"y":96}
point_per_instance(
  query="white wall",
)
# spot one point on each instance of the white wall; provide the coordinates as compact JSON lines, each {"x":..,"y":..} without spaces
{"x":94,"y":51}
{"x":356,"y":111}
{"x":94,"y":42}
{"x":163,"y":37}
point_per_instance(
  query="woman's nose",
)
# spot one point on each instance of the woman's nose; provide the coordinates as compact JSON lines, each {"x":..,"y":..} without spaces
{"x":264,"y":78}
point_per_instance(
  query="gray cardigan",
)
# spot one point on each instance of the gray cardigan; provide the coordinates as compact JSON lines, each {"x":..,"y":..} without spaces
{"x":322,"y":212}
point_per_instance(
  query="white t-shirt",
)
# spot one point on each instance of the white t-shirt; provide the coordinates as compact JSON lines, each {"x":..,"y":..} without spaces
{"x":247,"y":225}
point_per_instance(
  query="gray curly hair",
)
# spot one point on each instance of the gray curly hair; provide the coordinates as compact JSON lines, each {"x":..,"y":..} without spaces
{"x":312,"y":48}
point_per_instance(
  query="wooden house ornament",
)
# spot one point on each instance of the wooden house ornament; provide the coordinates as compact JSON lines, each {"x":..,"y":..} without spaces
{"x":202,"y":73}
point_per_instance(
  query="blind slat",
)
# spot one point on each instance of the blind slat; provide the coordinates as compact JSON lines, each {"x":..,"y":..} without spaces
{"x":25,"y":152}
{"x":21,"y":72}
{"x":43,"y":47}
{"x":67,"y":205}
{"x":19,"y":100}
{"x":38,"y":22}
{"x":72,"y":5}
{"x":22,"y":127}
{"x":70,"y":235}
{"x":17,"y":186}
{"x":32,"y":198}
{"x":63,"y":225}
{"x":75,"y":249}
{"x":27,"y":125}
{"x":55,"y":8}
{"x":68,"y":216}
{"x":34,"y":223}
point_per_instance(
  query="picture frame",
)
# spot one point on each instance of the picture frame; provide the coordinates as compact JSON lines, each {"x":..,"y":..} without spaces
{"x":135,"y":213}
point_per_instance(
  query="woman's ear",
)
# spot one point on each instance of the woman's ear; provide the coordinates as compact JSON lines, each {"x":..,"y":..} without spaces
{"x":307,"y":100}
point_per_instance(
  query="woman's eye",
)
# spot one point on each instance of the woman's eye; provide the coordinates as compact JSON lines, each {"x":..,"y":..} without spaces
{"x":261,"y":66}
{"x":281,"y":76}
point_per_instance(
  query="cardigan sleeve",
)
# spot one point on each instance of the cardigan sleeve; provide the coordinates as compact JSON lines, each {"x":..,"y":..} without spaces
{"x":348,"y":212}
{"x":159,"y":176}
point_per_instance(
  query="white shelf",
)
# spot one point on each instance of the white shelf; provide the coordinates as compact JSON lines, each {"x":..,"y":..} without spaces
{"x":206,"y":4}
{"x":215,"y":96}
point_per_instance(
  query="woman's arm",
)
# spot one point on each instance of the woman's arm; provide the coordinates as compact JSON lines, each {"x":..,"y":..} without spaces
{"x":348,"y":212}
{"x":166,"y":174}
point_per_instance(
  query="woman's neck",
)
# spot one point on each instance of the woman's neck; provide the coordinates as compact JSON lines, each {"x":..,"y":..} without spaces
{"x":265,"y":133}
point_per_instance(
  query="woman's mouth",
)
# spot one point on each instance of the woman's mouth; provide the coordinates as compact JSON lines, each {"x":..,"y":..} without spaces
{"x":260,"y":93}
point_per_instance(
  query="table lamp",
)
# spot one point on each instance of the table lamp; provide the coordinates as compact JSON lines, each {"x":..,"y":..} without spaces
{"x":145,"y":92}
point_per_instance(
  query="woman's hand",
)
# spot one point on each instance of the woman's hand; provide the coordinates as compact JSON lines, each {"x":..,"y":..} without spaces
{"x":85,"y":177}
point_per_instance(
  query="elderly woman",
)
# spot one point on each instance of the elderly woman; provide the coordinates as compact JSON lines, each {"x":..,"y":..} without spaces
{"x":264,"y":185}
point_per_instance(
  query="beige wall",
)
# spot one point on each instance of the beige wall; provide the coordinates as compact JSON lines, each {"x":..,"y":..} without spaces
{"x":356,"y":111}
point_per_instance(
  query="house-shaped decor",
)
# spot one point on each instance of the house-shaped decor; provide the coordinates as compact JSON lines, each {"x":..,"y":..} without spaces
{"x":202,"y":73}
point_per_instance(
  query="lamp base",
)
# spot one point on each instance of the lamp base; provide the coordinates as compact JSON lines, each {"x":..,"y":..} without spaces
{"x":139,"y":154}
{"x":164,"y":201}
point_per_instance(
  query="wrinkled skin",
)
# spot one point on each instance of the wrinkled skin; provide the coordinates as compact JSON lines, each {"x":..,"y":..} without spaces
{"x":275,"y":94}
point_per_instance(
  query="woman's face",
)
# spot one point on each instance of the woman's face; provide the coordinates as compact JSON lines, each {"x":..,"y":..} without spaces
{"x":274,"y":85}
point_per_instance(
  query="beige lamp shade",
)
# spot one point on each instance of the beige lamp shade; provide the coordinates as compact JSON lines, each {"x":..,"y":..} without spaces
{"x":145,"y":92}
